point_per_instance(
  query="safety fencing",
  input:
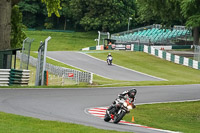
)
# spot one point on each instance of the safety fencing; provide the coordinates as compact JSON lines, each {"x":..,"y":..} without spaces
{"x":62,"y":76}
{"x":70,"y":74}
{"x":171,"y":57}
{"x":137,"y":47}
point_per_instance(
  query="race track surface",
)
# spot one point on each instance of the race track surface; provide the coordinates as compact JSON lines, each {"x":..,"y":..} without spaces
{"x":99,"y":67}
{"x":71,"y":104}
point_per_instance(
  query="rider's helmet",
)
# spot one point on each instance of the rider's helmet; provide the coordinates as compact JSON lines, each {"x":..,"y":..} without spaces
{"x":109,"y":54}
{"x":132,"y":93}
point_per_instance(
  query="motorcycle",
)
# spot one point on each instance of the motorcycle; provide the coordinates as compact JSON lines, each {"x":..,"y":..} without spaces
{"x":116,"y":114}
{"x":109,"y":60}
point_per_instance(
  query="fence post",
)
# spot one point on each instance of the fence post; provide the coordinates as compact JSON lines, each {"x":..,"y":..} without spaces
{"x":91,"y":78}
{"x":63,"y":79}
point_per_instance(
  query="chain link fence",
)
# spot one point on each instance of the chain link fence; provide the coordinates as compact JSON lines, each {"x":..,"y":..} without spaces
{"x":25,"y":53}
{"x":60,"y":75}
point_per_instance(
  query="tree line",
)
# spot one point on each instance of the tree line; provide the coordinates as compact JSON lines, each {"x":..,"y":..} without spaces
{"x":104,"y":15}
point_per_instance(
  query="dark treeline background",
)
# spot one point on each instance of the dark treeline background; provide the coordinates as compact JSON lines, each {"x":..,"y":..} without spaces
{"x":88,"y":15}
{"x":112,"y":15}
{"x":104,"y":15}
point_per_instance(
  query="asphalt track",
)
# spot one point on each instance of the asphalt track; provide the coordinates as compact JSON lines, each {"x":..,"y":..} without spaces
{"x":71,"y":104}
{"x":99,"y":67}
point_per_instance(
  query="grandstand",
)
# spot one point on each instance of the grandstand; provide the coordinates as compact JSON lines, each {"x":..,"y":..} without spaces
{"x":152,"y":35}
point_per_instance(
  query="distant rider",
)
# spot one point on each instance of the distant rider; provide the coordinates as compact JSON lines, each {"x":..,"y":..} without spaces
{"x":109,"y":55}
{"x":124,"y":95}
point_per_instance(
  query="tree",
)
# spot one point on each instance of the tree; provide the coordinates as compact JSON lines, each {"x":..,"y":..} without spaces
{"x":5,"y":24}
{"x":171,"y":12}
{"x":105,"y":15}
{"x":161,"y":11}
{"x":17,"y":34}
{"x":5,"y":18}
{"x":32,"y":10}
{"x":190,"y":10}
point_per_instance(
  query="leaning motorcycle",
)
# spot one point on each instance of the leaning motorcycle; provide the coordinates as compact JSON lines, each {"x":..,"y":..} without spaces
{"x":109,"y":60}
{"x":124,"y":107}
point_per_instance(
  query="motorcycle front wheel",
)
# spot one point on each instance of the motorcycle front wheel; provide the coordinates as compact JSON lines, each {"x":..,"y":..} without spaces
{"x":107,"y":117}
{"x":118,"y":117}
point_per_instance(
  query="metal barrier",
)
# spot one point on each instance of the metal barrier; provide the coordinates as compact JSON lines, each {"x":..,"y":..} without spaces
{"x":173,"y":58}
{"x":63,"y":73}
{"x":4,"y":77}
{"x":71,"y":74}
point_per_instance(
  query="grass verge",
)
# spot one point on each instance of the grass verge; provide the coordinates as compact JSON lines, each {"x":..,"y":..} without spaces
{"x":10,"y":123}
{"x":149,"y":64}
{"x":63,"y":41}
{"x":183,"y":117}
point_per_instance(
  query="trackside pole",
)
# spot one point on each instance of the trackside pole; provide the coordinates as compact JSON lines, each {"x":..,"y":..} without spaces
{"x":44,"y":62}
{"x":41,"y":64}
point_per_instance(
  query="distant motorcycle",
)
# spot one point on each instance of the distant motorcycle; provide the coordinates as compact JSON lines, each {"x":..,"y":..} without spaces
{"x":116,"y":114}
{"x":109,"y":60}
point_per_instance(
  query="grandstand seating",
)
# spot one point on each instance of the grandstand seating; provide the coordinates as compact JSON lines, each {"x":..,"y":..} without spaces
{"x":152,"y":35}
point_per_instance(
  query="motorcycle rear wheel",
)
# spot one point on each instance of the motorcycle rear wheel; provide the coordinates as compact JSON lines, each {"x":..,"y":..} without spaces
{"x":118,"y":117}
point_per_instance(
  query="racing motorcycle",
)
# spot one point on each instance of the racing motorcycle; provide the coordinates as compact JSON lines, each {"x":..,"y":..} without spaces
{"x":123,"y":106}
{"x":109,"y":60}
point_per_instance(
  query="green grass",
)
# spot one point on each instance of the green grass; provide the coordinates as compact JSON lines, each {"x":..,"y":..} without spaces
{"x":10,"y":123}
{"x":183,"y":117}
{"x":63,"y":41}
{"x":149,"y":64}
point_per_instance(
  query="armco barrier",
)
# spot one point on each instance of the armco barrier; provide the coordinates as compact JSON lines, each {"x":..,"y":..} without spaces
{"x":173,"y":58}
{"x":4,"y":77}
{"x":19,"y":77}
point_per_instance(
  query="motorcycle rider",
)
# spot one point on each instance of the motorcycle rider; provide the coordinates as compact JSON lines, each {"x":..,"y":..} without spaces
{"x":126,"y":94}
{"x":109,"y":55}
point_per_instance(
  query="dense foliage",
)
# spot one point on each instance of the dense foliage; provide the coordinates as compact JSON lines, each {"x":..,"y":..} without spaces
{"x":106,"y":15}
{"x":160,"y":11}
{"x":17,"y":34}
{"x":172,"y":12}
{"x":34,"y":13}
{"x":109,"y":15}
